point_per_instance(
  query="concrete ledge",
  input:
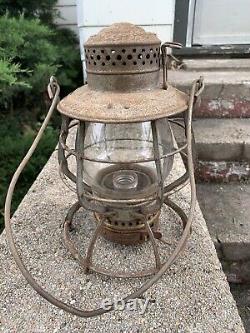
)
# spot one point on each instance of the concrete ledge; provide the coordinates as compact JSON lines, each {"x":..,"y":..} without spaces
{"x":226,"y":210}
{"x":193,"y":296}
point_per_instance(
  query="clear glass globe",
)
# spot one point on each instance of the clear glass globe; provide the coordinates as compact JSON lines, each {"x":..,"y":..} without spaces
{"x":120,"y":150}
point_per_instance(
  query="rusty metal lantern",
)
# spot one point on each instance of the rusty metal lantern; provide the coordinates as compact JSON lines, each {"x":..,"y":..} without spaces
{"x":124,"y":149}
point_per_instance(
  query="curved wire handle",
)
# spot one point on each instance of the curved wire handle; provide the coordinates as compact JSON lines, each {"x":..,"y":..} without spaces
{"x":54,"y":90}
{"x":164,"y":47}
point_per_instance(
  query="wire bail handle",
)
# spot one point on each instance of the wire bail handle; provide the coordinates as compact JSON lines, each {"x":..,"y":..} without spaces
{"x":199,"y":89}
{"x":53,"y":91}
{"x":52,"y":87}
{"x":164,"y":47}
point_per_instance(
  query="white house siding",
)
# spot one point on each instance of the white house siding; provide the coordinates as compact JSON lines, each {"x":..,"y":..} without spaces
{"x":68,"y":13}
{"x":156,"y":16}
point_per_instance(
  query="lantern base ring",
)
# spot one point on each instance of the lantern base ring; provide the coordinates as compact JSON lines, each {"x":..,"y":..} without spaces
{"x":86,"y":262}
{"x":128,"y":234}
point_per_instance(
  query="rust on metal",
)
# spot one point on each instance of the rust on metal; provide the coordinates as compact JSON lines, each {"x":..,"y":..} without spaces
{"x":128,"y":232}
{"x":146,"y":234}
{"x":123,"y":67}
{"x":111,"y":107}
{"x":122,"y":33}
{"x":144,"y":222}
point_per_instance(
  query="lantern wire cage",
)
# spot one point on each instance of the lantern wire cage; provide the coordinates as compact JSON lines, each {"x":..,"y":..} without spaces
{"x":146,"y":208}
{"x":149,"y":206}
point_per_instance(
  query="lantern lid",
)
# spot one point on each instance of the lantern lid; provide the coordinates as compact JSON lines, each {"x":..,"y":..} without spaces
{"x":112,"y":107}
{"x":122,"y":34}
{"x":123,"y":69}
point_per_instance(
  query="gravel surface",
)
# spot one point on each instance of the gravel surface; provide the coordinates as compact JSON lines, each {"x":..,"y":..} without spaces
{"x":193,"y":296}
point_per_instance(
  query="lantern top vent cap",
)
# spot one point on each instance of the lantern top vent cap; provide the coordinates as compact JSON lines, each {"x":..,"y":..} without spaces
{"x":122,"y":34}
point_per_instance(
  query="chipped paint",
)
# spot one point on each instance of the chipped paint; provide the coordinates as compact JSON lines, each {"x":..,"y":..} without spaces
{"x":223,"y":108}
{"x":212,"y":171}
{"x":214,"y":104}
{"x":227,"y":104}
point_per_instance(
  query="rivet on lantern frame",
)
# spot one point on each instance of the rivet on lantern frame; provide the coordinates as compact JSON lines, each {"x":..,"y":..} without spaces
{"x":119,"y":91}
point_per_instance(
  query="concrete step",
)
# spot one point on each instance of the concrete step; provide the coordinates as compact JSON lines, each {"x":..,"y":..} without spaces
{"x":222,"y":139}
{"x":204,"y":64}
{"x":223,"y":149}
{"x":226,"y":94}
{"x":226,"y":209}
{"x":241,"y":293}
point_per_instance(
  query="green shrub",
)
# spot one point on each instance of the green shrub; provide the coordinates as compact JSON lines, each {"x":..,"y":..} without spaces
{"x":26,"y":45}
{"x":42,"y":9}
{"x":10,"y":81}
{"x":69,"y":73}
{"x":32,"y":52}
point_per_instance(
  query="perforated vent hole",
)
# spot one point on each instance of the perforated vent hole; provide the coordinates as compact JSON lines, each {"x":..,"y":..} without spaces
{"x":117,"y":57}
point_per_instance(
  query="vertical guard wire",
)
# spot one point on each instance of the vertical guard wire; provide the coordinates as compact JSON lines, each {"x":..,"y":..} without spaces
{"x":63,"y":163}
{"x":157,"y":158}
{"x":80,"y":185}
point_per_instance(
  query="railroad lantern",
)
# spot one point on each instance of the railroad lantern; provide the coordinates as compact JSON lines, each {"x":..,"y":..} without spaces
{"x":124,"y":147}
